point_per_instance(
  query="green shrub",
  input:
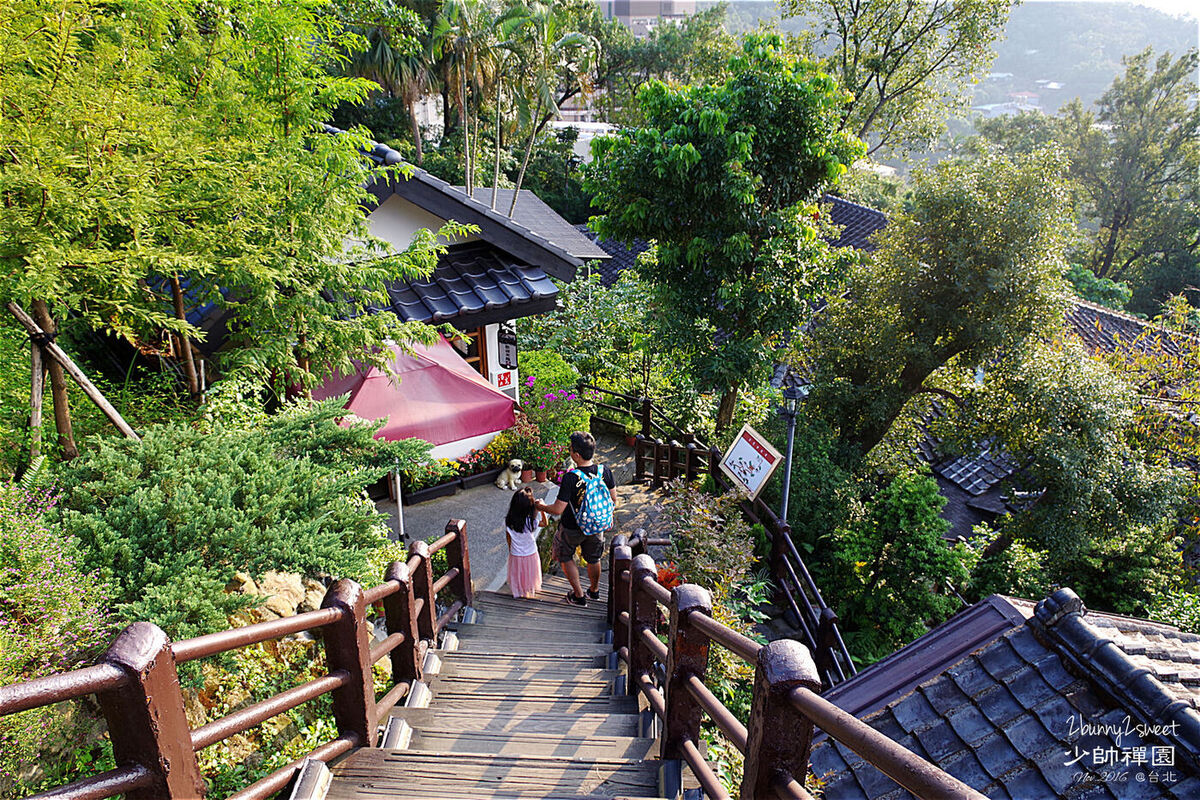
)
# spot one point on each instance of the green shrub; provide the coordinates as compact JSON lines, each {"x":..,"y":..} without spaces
{"x":544,"y":371}
{"x":889,"y":567}
{"x":52,"y":618}
{"x":710,"y":540}
{"x":169,"y":519}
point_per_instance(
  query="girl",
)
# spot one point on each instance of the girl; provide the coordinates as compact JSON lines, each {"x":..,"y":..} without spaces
{"x":524,"y":563}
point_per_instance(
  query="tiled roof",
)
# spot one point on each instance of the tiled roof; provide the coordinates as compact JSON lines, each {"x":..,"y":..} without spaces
{"x":1005,"y":703}
{"x":534,"y":214}
{"x":1103,"y":330}
{"x":620,"y":256}
{"x":857,"y":222}
{"x":976,"y":474}
{"x":474,"y":284}
{"x":443,"y":200}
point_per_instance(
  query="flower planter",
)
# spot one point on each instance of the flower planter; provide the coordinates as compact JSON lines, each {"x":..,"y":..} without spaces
{"x":526,"y":475}
{"x":431,"y":492}
{"x":630,"y":441}
{"x":540,"y":475}
{"x":479,"y":479}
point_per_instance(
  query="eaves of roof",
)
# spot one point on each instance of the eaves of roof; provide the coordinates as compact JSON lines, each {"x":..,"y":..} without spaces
{"x":443,"y":200}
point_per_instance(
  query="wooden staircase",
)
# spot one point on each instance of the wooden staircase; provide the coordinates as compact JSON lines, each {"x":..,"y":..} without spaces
{"x":520,"y":706}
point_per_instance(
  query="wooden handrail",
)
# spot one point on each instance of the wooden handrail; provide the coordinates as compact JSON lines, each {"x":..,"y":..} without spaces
{"x":785,"y":706}
{"x":138,"y":687}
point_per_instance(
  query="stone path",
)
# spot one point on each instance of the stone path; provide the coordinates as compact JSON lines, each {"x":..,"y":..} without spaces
{"x":483,"y":508}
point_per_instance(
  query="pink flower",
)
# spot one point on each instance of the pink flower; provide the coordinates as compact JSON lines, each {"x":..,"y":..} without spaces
{"x":530,"y":380}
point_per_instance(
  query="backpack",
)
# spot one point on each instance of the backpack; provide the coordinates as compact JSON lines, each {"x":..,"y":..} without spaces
{"x":595,"y":514}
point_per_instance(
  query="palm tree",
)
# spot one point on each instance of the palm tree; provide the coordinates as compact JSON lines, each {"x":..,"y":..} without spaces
{"x":549,"y":57}
{"x":464,"y":38}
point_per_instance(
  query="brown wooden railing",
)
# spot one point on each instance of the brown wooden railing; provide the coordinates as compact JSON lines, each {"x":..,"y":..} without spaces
{"x":138,"y":689}
{"x":657,"y":461}
{"x":611,"y":406}
{"x":785,"y":708}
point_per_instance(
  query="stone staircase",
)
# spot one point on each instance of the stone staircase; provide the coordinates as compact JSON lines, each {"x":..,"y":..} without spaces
{"x":520,"y":705}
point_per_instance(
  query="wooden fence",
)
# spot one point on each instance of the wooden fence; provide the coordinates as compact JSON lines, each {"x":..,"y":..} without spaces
{"x":785,"y":708}
{"x":138,"y":689}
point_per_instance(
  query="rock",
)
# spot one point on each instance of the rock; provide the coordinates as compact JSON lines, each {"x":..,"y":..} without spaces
{"x":283,"y":590}
{"x":314,"y":594}
{"x":242,"y":583}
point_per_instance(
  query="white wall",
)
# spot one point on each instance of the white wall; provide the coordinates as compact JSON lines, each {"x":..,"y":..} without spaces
{"x":397,"y":220}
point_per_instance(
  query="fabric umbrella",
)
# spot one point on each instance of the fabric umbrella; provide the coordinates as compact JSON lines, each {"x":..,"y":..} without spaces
{"x":438,"y":397}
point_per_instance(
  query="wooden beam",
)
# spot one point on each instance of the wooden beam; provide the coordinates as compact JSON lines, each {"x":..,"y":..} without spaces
{"x":55,"y":352}
{"x":37,"y":393}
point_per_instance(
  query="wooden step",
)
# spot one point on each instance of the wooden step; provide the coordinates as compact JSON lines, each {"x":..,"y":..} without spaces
{"x":532,"y":633}
{"x":548,"y":722}
{"x":371,"y":772}
{"x":532,"y":744}
{"x":542,"y":613}
{"x":468,"y":659}
{"x":479,"y":702}
{"x":522,"y":672}
{"x":525,"y":687}
{"x":504,"y":647}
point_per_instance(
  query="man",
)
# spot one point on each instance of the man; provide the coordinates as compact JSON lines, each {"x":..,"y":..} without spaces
{"x":571,"y":495}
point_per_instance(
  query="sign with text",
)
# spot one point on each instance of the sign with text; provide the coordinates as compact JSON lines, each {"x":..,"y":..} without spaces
{"x":750,"y":461}
{"x":506,"y":340}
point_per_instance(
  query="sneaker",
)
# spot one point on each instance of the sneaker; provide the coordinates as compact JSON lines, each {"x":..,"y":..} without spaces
{"x":593,"y":594}
{"x":575,"y":601}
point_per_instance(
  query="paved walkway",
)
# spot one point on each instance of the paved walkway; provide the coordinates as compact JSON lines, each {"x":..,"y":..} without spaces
{"x":484,"y":508}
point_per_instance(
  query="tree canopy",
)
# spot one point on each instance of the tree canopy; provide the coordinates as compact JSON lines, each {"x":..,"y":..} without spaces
{"x":907,"y":63}
{"x":723,"y":178}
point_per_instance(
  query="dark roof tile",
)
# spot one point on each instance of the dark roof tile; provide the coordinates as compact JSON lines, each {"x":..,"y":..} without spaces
{"x":999,"y":706}
{"x":972,"y":680}
{"x":474,"y":284}
{"x":1027,"y":784}
{"x":858,"y":223}
{"x":1001,"y":661}
{"x":944,"y":695}
{"x":1029,"y":689}
{"x":997,"y":756}
{"x":970,"y":724}
{"x":966,"y":767}
{"x":939,"y":740}
{"x":913,"y":711}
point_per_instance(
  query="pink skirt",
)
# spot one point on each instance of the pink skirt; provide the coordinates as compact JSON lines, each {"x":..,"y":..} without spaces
{"x":525,"y":575}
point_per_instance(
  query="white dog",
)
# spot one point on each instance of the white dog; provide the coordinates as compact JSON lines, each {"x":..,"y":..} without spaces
{"x":510,"y":478}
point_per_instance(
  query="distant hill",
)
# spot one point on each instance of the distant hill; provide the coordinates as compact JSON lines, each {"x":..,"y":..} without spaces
{"x":1077,"y":45}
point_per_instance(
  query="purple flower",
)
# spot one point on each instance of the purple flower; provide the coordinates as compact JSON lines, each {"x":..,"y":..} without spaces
{"x":530,"y":380}
{"x":549,"y":395}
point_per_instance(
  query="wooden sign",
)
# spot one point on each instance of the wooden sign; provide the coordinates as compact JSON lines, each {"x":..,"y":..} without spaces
{"x":750,"y":461}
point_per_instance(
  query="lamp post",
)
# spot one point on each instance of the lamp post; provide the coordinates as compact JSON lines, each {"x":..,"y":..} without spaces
{"x":791,"y":396}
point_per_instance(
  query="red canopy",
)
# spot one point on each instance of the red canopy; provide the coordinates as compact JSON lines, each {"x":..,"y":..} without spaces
{"x":439,"y":398}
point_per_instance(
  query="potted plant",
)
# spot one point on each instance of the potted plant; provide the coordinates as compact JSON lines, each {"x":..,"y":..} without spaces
{"x":632,"y":429}
{"x":432,"y":479}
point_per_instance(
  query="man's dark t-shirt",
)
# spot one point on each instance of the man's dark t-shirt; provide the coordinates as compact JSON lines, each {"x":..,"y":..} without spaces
{"x":572,"y":490}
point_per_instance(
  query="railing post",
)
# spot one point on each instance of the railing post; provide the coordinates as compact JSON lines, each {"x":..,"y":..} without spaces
{"x":639,"y":459}
{"x":687,"y":655}
{"x":619,"y":540}
{"x":643,"y":613}
{"x":619,"y":595}
{"x":422,"y":581}
{"x":673,"y":448}
{"x":146,"y":719}
{"x":459,"y":555}
{"x":658,"y":474}
{"x":348,"y":647}
{"x":826,"y":643}
{"x":691,"y":460}
{"x":647,"y":410}
{"x":779,"y":735}
{"x":401,"y":617}
{"x":714,"y":460}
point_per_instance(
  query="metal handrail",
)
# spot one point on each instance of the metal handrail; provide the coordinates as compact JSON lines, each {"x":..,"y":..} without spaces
{"x":48,"y":689}
{"x":106,"y":784}
{"x":246,"y":718}
{"x":211,"y":644}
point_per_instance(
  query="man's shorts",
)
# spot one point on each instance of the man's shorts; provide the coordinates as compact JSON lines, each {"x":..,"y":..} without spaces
{"x":566,"y":541}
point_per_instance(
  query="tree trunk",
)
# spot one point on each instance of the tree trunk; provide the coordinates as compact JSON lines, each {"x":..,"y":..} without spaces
{"x":466,"y":127}
{"x":58,"y":387}
{"x":499,"y":115}
{"x":185,"y":346}
{"x":416,"y":130}
{"x":726,"y":408}
{"x":36,"y":394}
{"x":525,"y":161}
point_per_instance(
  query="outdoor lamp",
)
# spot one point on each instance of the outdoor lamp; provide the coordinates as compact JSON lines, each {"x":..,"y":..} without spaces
{"x":791,"y":396}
